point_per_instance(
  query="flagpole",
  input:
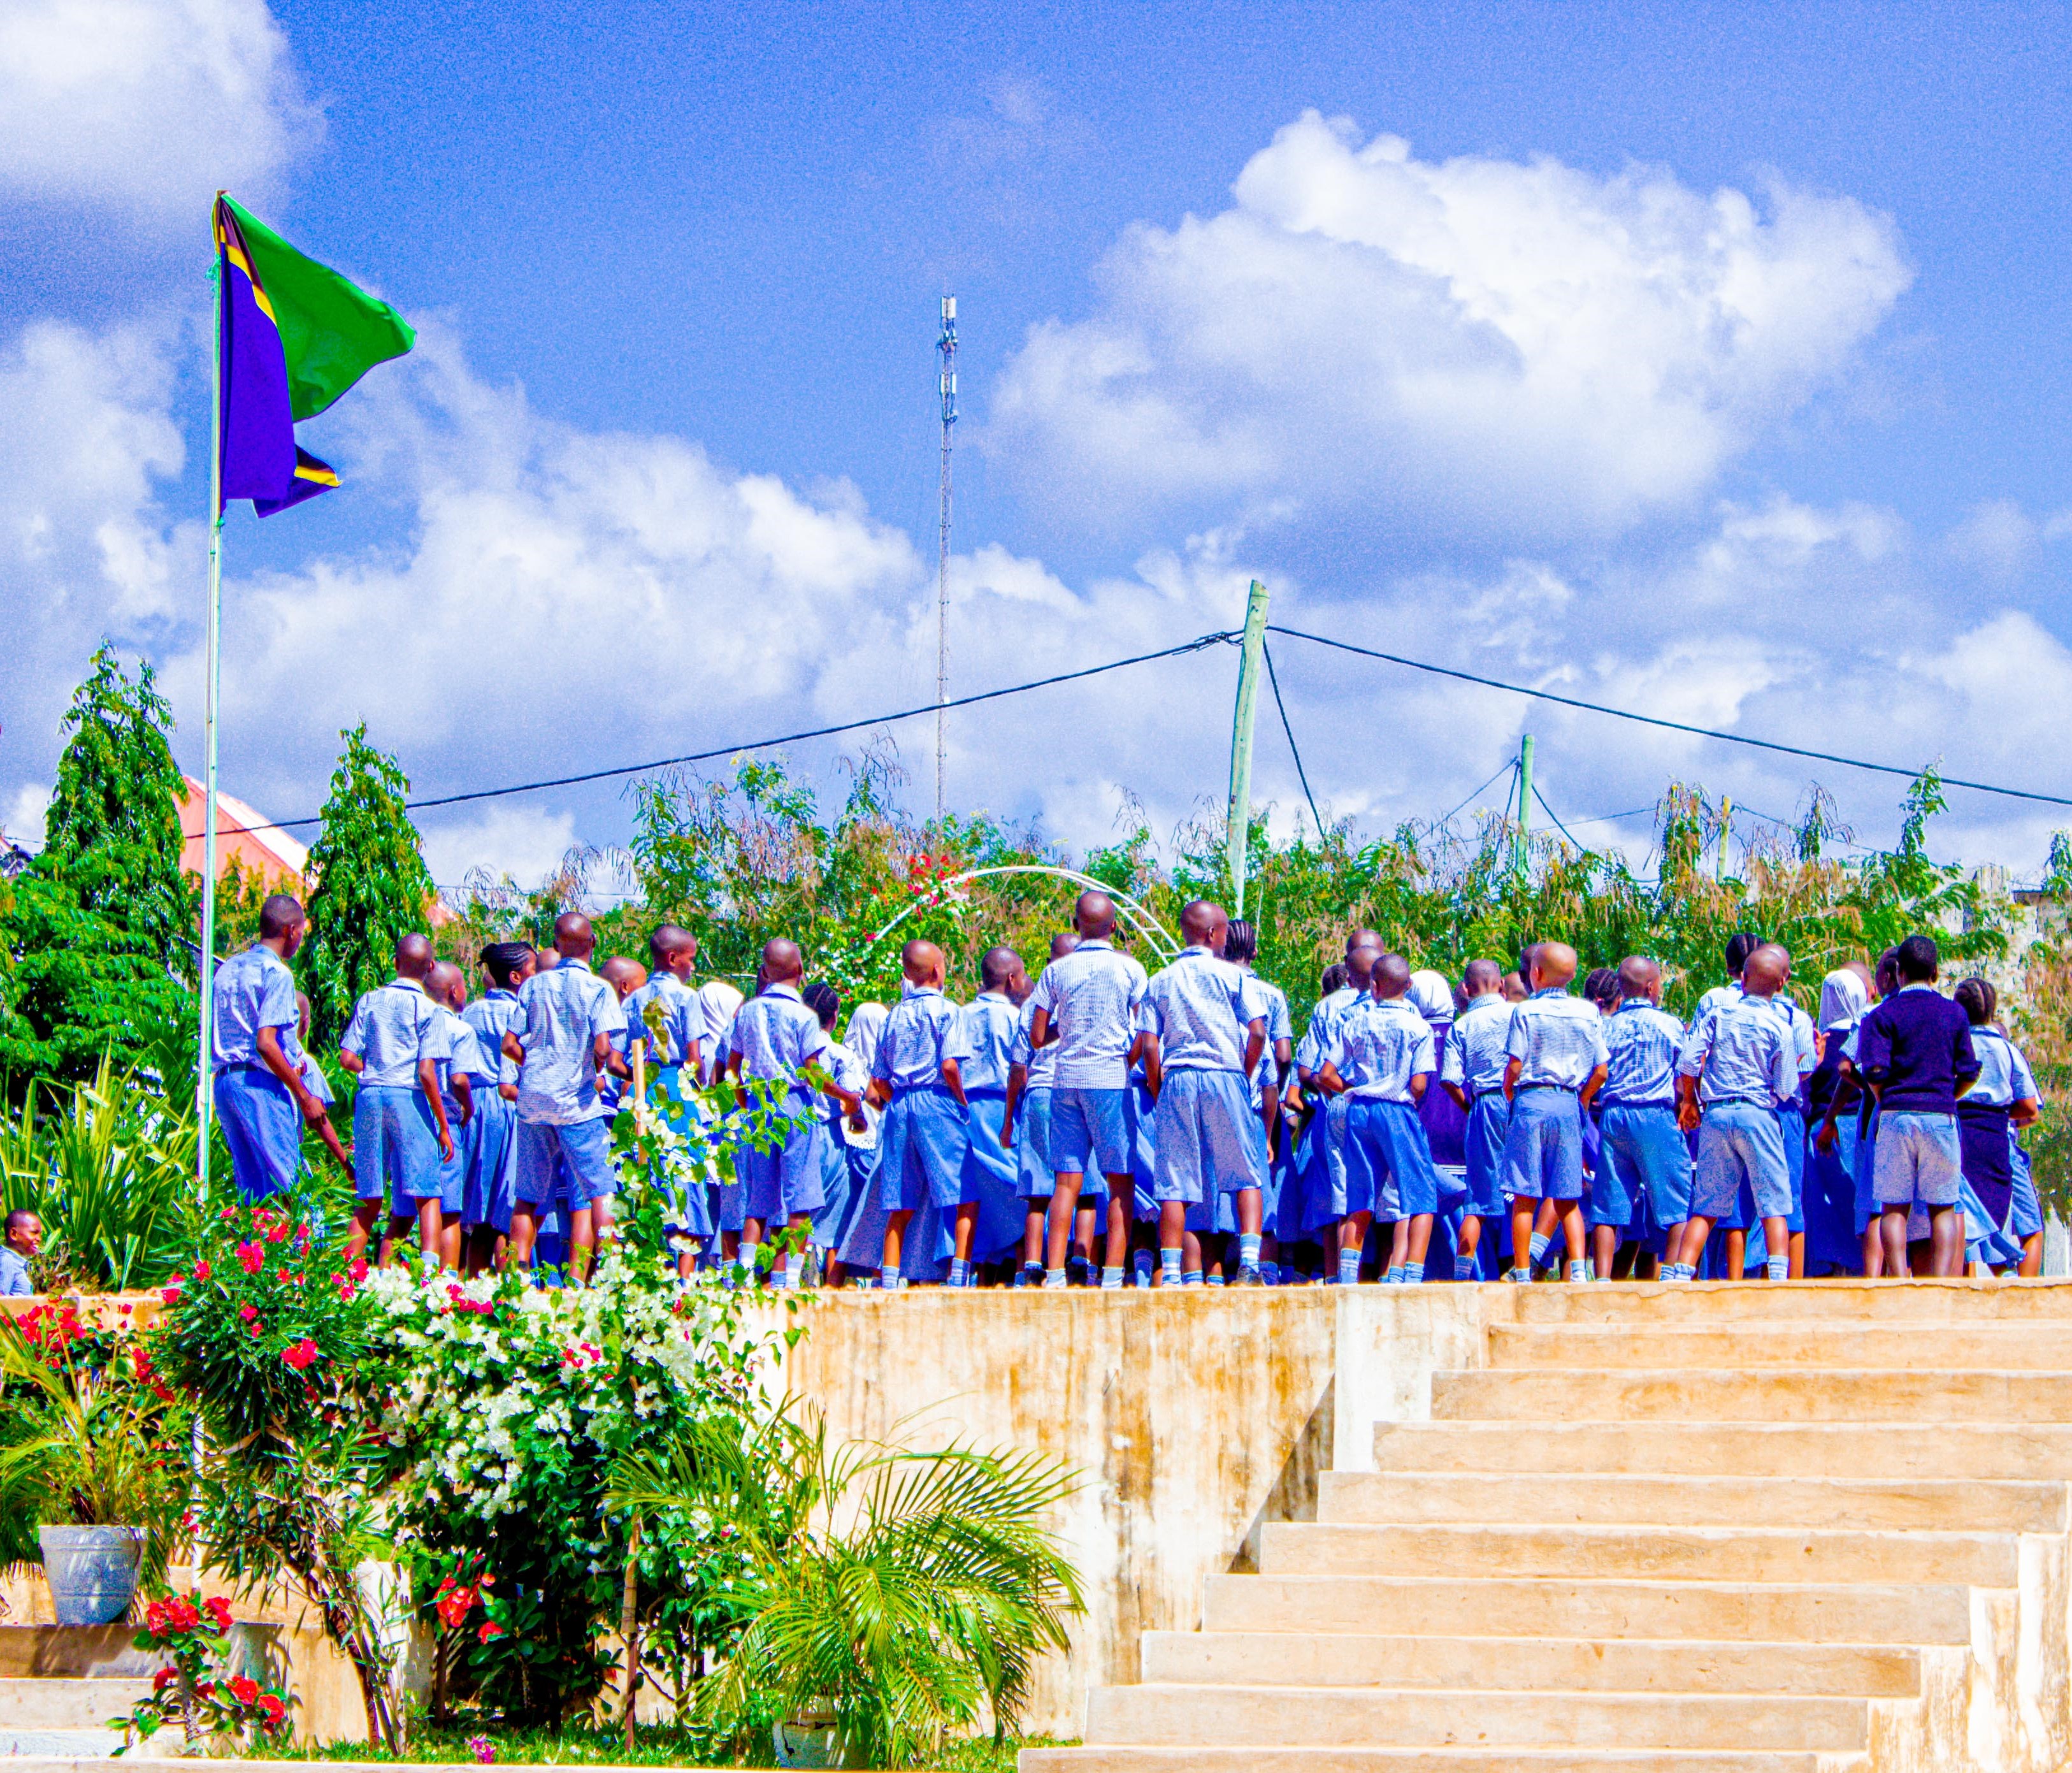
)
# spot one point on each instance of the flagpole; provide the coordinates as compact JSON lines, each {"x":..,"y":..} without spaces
{"x":204,"y":1076}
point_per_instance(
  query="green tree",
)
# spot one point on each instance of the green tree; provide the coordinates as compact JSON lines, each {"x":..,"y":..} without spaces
{"x":372,"y":885}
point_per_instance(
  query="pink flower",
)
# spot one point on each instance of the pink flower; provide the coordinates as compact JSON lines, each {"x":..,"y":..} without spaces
{"x":301,"y":1354}
{"x":201,"y":1272}
{"x":248,"y":1312}
{"x":251,"y":1257}
{"x":485,"y":1750}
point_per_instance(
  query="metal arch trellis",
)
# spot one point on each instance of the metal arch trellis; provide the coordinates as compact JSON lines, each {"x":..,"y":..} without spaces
{"x":1140,"y":918}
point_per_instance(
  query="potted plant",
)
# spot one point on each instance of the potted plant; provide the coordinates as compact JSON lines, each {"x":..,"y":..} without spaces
{"x":90,"y":1455}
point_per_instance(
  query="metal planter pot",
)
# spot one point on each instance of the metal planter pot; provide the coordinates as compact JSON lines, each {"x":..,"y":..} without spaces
{"x":92,"y":1571}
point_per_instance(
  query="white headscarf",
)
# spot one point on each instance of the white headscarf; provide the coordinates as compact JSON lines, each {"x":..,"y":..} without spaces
{"x":867,"y":1022}
{"x":1430,"y":996}
{"x":1844,"y":1000}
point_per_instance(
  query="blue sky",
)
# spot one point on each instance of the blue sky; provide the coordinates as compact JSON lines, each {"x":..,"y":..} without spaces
{"x":1706,"y":360}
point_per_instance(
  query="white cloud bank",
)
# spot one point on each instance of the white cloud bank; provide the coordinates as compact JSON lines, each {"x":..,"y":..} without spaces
{"x":1493,"y":346}
{"x":144,"y":108}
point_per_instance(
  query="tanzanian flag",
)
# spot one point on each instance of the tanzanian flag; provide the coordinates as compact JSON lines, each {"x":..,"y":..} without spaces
{"x":294,"y":336}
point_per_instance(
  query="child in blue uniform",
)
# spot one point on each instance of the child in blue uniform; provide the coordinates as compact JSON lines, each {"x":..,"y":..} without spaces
{"x":1025,"y":1125}
{"x":1383,"y":1058}
{"x":1643,"y":1165}
{"x":1206,"y":1020}
{"x":2003,"y":1098}
{"x":775,"y":1037}
{"x":925,"y":1135}
{"x":294,"y":1045}
{"x":1555,"y":1064}
{"x":492,"y":1171}
{"x":1738,"y":1061}
{"x":562,"y":1042}
{"x":465,"y":1075}
{"x":1087,"y":1002}
{"x":1472,"y":1070}
{"x":400,"y":1136}
{"x":1269,"y":1084}
{"x":839,"y":1113}
{"x":982,"y":1046}
{"x":260,"y":1094}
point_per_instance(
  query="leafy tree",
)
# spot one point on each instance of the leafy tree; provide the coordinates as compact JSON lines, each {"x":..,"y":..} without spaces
{"x":372,"y":885}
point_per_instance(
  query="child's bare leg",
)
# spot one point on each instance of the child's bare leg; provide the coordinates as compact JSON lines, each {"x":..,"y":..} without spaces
{"x":1604,"y":1248}
{"x":1736,"y":1254}
{"x":1352,"y":1239}
{"x":1873,"y":1242}
{"x":1032,"y":1234}
{"x":524,"y":1234}
{"x":1795,"y":1245}
{"x":365,"y":1213}
{"x":1571,"y":1213}
{"x":800,"y":1225}
{"x":1190,"y":1251}
{"x":1417,"y":1236}
{"x":1122,"y":1193}
{"x":1086,"y":1227}
{"x":1172,"y":1235}
{"x":2031,"y":1256}
{"x":1946,"y":1234}
{"x":1891,"y":1228}
{"x":1471,"y":1235}
{"x":1522,"y":1209}
{"x":1064,"y":1202}
{"x":961,"y":1229}
{"x":895,"y":1234}
{"x":449,"y":1243}
{"x":1696,"y":1229}
{"x":398,"y":1227}
{"x":582,"y":1240}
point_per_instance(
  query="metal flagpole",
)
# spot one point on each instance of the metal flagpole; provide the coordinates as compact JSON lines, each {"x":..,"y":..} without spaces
{"x":205,"y":1078}
{"x":1238,"y":833}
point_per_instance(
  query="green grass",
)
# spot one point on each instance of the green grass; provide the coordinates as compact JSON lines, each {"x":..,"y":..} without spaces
{"x":655,"y":1745}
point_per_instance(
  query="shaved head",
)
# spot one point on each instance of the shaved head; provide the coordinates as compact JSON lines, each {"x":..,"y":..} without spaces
{"x":1553,"y":963}
{"x":1391,"y":976}
{"x":1064,"y":943}
{"x":782,"y":961}
{"x":1205,"y":924}
{"x":446,"y":985}
{"x":1765,"y":970}
{"x":573,"y":936}
{"x":281,"y":913}
{"x":1094,"y":916}
{"x":1639,"y":977}
{"x":1364,"y":938}
{"x":922,"y":963}
{"x":623,"y":976}
{"x":1482,"y":977}
{"x":997,"y":967}
{"x":668,"y":941}
{"x":413,"y":957}
{"x":1359,"y":963}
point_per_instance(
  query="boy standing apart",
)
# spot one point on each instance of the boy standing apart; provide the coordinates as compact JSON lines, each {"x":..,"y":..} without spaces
{"x":1087,"y":1003}
{"x":1642,"y":1152}
{"x":926,"y":1133}
{"x":400,"y":1138}
{"x":1555,"y":1064}
{"x":1207,"y":1033}
{"x":1738,"y":1061}
{"x":1914,"y":1050}
{"x":775,"y":1037}
{"x":1472,"y":1069}
{"x":983,"y":1042}
{"x":1382,"y":1060}
{"x":260,"y":1096}
{"x":561,"y":1041}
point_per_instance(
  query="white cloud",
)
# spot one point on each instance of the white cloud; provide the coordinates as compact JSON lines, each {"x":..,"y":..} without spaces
{"x":24,"y":823}
{"x":144,"y":108}
{"x":1998,"y":537}
{"x":1522,"y":349}
{"x":526,"y":843}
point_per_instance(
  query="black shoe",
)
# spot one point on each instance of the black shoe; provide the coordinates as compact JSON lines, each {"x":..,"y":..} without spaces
{"x":1248,"y":1276}
{"x":1079,"y":1271}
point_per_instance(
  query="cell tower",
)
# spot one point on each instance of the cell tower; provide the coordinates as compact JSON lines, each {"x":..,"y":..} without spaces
{"x":946,"y":344}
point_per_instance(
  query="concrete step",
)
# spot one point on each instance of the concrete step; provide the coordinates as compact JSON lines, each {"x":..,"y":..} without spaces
{"x":2021,"y":1450}
{"x":2042,"y":1347}
{"x":64,"y":1702}
{"x":1274,"y":1658}
{"x":1714,"y":1301}
{"x":56,"y":1751}
{"x":74,"y":1650}
{"x":1138,"y":1759}
{"x":1331,"y":1717}
{"x":1665,"y":1553}
{"x":1714,"y":1394}
{"x":1461,"y":1498}
{"x":1905,"y":1612}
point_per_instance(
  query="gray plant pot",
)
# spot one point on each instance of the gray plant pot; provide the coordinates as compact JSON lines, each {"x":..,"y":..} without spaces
{"x":92,"y":1571}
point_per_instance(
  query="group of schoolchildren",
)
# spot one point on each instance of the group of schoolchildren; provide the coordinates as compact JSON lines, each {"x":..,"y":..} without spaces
{"x":1098,"y":1124}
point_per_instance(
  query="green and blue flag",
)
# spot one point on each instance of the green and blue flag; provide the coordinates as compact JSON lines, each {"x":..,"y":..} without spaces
{"x":295,"y":336}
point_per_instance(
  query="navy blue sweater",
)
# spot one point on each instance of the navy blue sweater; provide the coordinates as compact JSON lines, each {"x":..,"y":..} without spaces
{"x":1916,"y":1047}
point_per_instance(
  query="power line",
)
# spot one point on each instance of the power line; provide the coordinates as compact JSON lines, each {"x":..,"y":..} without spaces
{"x":1671,"y":725}
{"x":1294,"y":750}
{"x":1509,"y":764}
{"x":1556,"y":817}
{"x":1199,"y":642}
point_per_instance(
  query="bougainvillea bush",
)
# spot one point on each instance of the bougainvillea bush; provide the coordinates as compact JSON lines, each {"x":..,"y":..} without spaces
{"x":196,"y":1690}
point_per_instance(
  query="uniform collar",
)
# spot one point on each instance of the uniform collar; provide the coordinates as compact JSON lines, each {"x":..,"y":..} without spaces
{"x":1495,"y":999}
{"x":1550,"y":991}
{"x":997,"y":997}
{"x":1917,"y":984}
{"x":782,"y":990}
{"x":1201,"y":948}
{"x":408,"y":984}
{"x":581,"y":966}
{"x":498,"y":991}
{"x":908,"y":990}
{"x":1634,"y":1003}
{"x":1087,"y":942}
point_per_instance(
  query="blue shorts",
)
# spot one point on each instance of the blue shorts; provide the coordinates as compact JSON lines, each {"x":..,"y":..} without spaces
{"x":1206,"y":1139}
{"x":2024,"y":1216}
{"x":1034,"y":1178}
{"x":1543,"y":1149}
{"x":489,"y":1186}
{"x":921,"y":1147}
{"x":395,"y":1147}
{"x":1090,"y":1129}
{"x":1388,"y":1163}
{"x":263,"y":1128}
{"x":1918,"y":1160}
{"x":1740,"y":1142}
{"x":1641,"y":1153}
{"x":786,"y":1180}
{"x":582,"y":1147}
{"x":1489,"y":1121}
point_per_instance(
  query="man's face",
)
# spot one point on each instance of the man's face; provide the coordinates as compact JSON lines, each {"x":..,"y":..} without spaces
{"x":28,"y":1235}
{"x":291,"y":938}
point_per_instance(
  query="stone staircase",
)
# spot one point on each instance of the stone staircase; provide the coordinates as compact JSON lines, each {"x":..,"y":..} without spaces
{"x":1688,"y":1529}
{"x":60,"y":1684}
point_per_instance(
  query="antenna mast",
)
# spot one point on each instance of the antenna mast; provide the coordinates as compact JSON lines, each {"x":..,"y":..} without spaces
{"x":946,"y":344}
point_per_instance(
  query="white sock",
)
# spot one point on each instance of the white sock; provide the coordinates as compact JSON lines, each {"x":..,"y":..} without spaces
{"x":1348,"y":1262}
{"x":1192,"y":1278}
{"x":1413,"y":1273}
{"x":1521,"y":1275}
{"x":959,"y":1272}
{"x":1579,"y":1271}
{"x":1464,"y":1267}
{"x":1248,"y":1249}
{"x":1140,"y":1266}
{"x":1777,"y":1268}
{"x":1053,"y":1277}
{"x":1168,"y":1266}
{"x":1111,"y":1279}
{"x":888,"y":1277}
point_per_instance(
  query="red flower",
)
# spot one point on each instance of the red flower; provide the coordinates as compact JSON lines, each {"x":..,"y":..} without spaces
{"x":251,"y":1257}
{"x":184,"y":1614}
{"x":163,"y":1679}
{"x":272,"y":1708}
{"x":169,"y":1295}
{"x":244,"y":1689}
{"x":154,"y":1618}
{"x":203,"y":1689}
{"x":302,"y":1354}
{"x":357,"y":1271}
{"x":455,"y":1606}
{"x":490,"y":1629}
{"x":248,"y":1312}
{"x":277,"y":1230}
{"x":201,"y":1272}
{"x":219,"y":1609}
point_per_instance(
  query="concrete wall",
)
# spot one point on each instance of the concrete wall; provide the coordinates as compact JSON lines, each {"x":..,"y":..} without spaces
{"x":1196,"y":1416}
